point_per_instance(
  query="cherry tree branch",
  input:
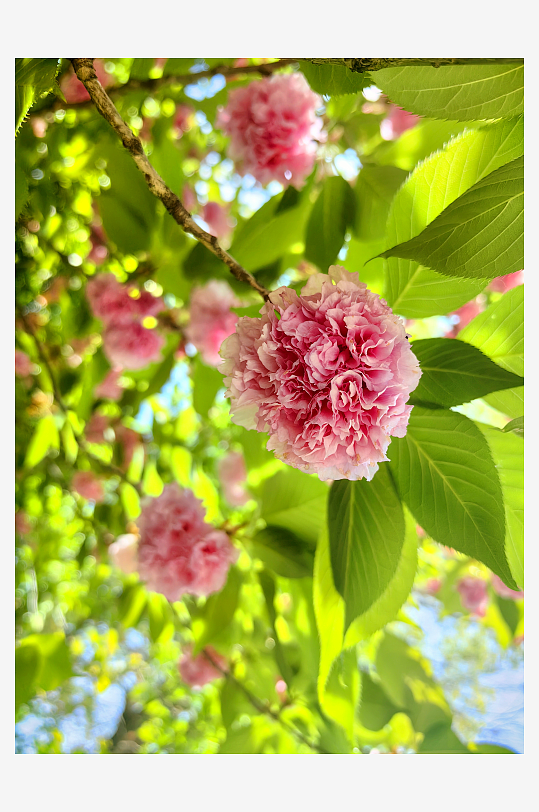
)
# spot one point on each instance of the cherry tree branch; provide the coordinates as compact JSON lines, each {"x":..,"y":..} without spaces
{"x":85,"y":72}
{"x":370,"y":65}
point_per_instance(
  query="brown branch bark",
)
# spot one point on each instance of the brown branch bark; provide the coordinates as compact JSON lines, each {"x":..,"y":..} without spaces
{"x":370,"y":65}
{"x":86,"y":73}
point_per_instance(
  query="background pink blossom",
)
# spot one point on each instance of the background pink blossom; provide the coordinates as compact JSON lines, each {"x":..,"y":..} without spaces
{"x":273,"y":128}
{"x":95,"y":428}
{"x":132,"y":346}
{"x":503,"y":591}
{"x":23,"y":364}
{"x":504,"y":283}
{"x":473,"y":594}
{"x":232,"y":475}
{"x":217,"y":219}
{"x":179,"y":552}
{"x":88,"y":486}
{"x":73,"y":89}
{"x":211,"y":318}
{"x":328,"y":380}
{"x":109,"y":387}
{"x":396,"y":123}
{"x":123,"y":553}
{"x":197,"y":671}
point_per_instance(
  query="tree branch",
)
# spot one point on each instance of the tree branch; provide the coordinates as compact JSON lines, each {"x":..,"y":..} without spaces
{"x":86,"y":73}
{"x":370,"y":65}
{"x":261,"y":708}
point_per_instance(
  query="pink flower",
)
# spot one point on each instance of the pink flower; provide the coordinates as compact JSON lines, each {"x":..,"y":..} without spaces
{"x":88,"y":486}
{"x":433,"y":586}
{"x":129,"y":440}
{"x":110,"y":300}
{"x":179,"y":552}
{"x":473,"y":594}
{"x":132,"y":346}
{"x":148,"y":305}
{"x":96,"y":427}
{"x":465,"y":315}
{"x":23,"y":364}
{"x":217,"y":219}
{"x":109,"y":387}
{"x":123,"y":553}
{"x":211,"y":318}
{"x":273,"y":128}
{"x":182,"y":119}
{"x":327,"y":374}
{"x":397,"y":122}
{"x":73,"y":89}
{"x":232,"y":474}
{"x":197,"y":671}
{"x":503,"y":591}
{"x":504,"y":283}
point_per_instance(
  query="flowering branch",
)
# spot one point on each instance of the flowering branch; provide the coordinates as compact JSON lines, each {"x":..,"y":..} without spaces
{"x":260,"y":707}
{"x":86,"y":73}
{"x":370,"y":65}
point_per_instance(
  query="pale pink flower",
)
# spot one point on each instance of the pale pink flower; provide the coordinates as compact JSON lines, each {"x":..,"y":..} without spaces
{"x":273,"y":128}
{"x":217,"y":219}
{"x":131,"y":345}
{"x":73,"y":89}
{"x":503,"y":591}
{"x":179,"y":552}
{"x":88,"y":486}
{"x":211,"y":318}
{"x":109,"y":388}
{"x":232,"y":475}
{"x":23,"y":364}
{"x":327,"y":374}
{"x":22,"y":525}
{"x":504,"y":283}
{"x":197,"y":671}
{"x":123,"y":553}
{"x":110,"y":300}
{"x":95,"y":428}
{"x":433,"y":586}
{"x":129,"y":440}
{"x":397,"y":122}
{"x":473,"y":594}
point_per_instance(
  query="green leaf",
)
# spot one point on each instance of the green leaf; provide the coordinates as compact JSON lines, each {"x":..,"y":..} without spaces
{"x":141,"y":68}
{"x":21,"y":190}
{"x":130,"y":501}
{"x":376,"y":708}
{"x":43,"y":439}
{"x":27,"y":667}
{"x":181,"y":463}
{"x":69,"y":442}
{"x":480,"y":235}
{"x":161,"y":617}
{"x":32,"y":78}
{"x":296,"y":501}
{"x":334,"y":80}
{"x":41,"y":661}
{"x":510,"y":402}
{"x":217,"y":613}
{"x":418,"y":143}
{"x":516,"y":425}
{"x":492,"y":750}
{"x":456,"y":91}
{"x":269,"y":234}
{"x":412,"y":290}
{"x":132,"y":605}
{"x":375,"y":188}
{"x":206,"y":383}
{"x":152,"y":484}
{"x":397,"y":670}
{"x":330,"y":216}
{"x":366,"y":534}
{"x":201,"y":264}
{"x":283,"y":552}
{"x":444,"y":472}
{"x":342,"y":692}
{"x":455,"y":372}
{"x":499,"y":331}
{"x":508,"y":454}
{"x":440,"y":740}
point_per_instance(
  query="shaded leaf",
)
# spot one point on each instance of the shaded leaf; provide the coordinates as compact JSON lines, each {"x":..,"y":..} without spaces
{"x":499,"y":331}
{"x":283,"y":552}
{"x":331,"y":214}
{"x":217,"y":612}
{"x":374,"y":190}
{"x":516,"y":426}
{"x":296,"y":501}
{"x":334,"y":80}
{"x":440,"y":740}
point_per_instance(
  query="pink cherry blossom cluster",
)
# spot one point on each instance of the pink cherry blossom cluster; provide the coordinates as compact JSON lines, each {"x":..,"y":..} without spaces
{"x":126,"y":342}
{"x":88,"y":485}
{"x":327,"y":374}
{"x":211,"y":318}
{"x":23,"y":364}
{"x":198,"y":671}
{"x":179,"y":552}
{"x":273,"y":128}
{"x":473,"y":595}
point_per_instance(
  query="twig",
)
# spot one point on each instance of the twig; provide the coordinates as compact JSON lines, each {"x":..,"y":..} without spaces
{"x":86,"y":73}
{"x":261,"y":708}
{"x":370,"y":65}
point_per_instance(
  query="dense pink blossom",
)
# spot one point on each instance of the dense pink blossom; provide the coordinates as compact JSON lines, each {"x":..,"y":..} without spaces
{"x":273,"y":128}
{"x":473,"y":594}
{"x":217,"y":219}
{"x":23,"y":364}
{"x":110,"y":300}
{"x":211,"y":318}
{"x":179,"y":552}
{"x":232,"y":475}
{"x":109,"y":387}
{"x":326,"y":373}
{"x":198,"y":671}
{"x":503,"y":591}
{"x":73,"y":89}
{"x":504,"y":283}
{"x":96,"y":427}
{"x":397,"y":122}
{"x":88,"y":486}
{"x":131,"y":345}
{"x":123,"y":553}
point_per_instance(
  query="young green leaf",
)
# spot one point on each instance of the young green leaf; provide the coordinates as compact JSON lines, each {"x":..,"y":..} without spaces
{"x":445,"y":473}
{"x":480,"y":235}
{"x":455,"y":372}
{"x":516,"y":426}
{"x":366,"y":535}
{"x":456,"y":91}
{"x":334,"y":80}
{"x":499,"y":331}
{"x":330,"y":217}
{"x":375,"y":189}
{"x":295,"y":501}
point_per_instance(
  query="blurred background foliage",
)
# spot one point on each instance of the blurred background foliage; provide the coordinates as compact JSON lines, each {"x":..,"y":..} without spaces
{"x":96,"y":652}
